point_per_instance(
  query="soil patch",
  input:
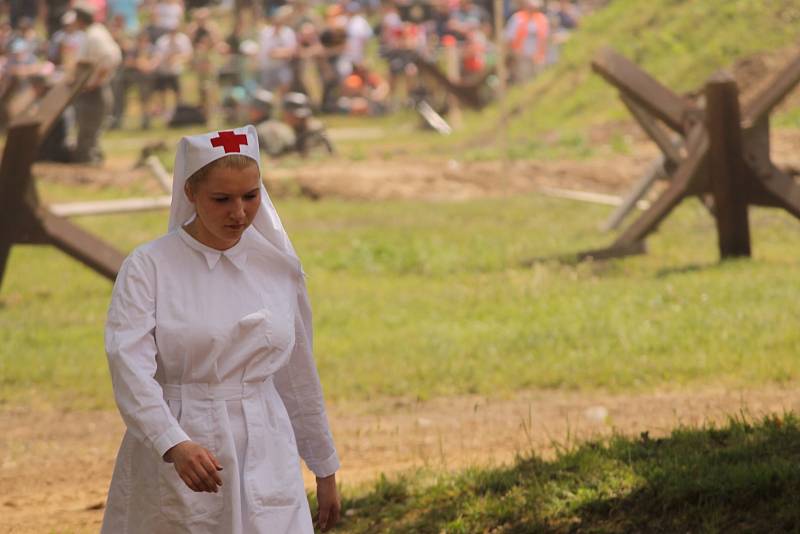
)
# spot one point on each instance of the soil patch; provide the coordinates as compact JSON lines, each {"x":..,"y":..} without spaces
{"x":55,"y":467}
{"x":432,"y":179}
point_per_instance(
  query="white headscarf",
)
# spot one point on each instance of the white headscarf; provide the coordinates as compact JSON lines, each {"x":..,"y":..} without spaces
{"x":197,"y":151}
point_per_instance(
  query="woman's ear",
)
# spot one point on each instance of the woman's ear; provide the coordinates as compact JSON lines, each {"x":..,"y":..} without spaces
{"x":189,"y":191}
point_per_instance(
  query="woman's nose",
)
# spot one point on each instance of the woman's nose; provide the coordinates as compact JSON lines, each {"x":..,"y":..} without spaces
{"x":237,"y":210}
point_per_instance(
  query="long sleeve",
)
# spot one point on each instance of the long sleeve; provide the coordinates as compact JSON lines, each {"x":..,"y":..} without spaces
{"x":299,"y":386}
{"x":131,"y":350}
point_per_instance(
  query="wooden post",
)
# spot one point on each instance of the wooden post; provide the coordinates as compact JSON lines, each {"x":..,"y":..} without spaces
{"x":5,"y":252}
{"x":727,"y":168}
{"x":727,"y":153}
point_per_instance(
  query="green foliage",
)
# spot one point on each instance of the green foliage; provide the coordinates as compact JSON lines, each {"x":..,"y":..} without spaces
{"x":741,"y":477}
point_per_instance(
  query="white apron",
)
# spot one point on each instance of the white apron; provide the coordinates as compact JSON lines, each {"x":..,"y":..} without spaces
{"x":214,"y":347}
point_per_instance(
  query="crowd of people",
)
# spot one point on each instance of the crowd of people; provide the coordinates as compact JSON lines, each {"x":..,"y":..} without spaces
{"x":230,"y":51}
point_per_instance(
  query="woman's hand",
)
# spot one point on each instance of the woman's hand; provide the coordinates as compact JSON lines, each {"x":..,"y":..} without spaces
{"x":196,"y":466}
{"x":328,"y":501}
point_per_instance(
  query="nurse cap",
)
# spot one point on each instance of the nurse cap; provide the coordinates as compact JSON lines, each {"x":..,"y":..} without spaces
{"x":195,"y":152}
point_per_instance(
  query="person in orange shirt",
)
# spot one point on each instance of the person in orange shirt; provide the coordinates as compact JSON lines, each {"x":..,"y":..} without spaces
{"x":527,"y":33}
{"x":363,"y":92}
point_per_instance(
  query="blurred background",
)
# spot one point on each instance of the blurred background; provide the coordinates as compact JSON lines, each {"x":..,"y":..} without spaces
{"x":441,"y":167}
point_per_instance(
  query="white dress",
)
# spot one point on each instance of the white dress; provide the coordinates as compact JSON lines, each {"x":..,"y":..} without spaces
{"x":214,"y":347}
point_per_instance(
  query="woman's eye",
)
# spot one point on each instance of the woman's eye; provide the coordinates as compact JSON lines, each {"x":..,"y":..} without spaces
{"x":250,"y":197}
{"x":220,"y":200}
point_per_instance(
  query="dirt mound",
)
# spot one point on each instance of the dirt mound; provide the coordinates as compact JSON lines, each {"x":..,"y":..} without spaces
{"x":115,"y":173}
{"x":454,"y":180}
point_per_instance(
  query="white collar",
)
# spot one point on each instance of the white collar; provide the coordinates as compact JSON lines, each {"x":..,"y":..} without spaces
{"x":237,"y":254}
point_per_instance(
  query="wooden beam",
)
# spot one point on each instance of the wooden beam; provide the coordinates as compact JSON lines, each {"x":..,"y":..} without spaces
{"x":727,"y":170}
{"x":468,"y":93}
{"x":783,"y":189}
{"x":686,"y":173}
{"x":645,"y":90}
{"x":81,"y":245}
{"x":672,"y":154}
{"x":103,"y":207}
{"x":159,"y":172}
{"x":15,"y":167}
{"x":15,"y":183}
{"x":636,"y":194}
{"x":52,"y":105}
{"x":614,"y":251}
{"x":781,"y":85}
{"x":5,"y":251}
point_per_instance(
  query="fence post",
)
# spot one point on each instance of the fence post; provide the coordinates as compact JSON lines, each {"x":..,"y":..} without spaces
{"x":727,"y":168}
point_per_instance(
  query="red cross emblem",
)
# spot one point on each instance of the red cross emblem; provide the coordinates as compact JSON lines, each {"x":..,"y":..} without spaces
{"x":229,"y":140}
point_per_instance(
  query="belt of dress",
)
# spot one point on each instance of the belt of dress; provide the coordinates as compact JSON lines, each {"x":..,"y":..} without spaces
{"x":199,"y":391}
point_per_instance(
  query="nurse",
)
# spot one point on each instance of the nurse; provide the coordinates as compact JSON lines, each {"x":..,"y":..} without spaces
{"x":208,"y":340}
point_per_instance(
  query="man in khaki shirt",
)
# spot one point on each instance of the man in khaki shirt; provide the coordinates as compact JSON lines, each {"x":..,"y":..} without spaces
{"x":93,"y":105}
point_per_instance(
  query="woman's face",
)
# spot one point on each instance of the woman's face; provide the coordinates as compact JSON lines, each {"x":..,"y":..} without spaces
{"x":226,"y":203}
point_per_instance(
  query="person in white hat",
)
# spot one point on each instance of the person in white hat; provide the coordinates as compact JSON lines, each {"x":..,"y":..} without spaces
{"x":208,"y":340}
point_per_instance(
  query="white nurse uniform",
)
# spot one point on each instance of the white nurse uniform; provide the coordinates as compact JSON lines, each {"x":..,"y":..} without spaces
{"x":215,"y":346}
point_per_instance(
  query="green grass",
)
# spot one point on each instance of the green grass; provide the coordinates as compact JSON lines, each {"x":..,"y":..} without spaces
{"x":426,"y":299}
{"x":740,"y":477}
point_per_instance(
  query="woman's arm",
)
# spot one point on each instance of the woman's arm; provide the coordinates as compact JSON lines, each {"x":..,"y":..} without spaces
{"x":131,"y":350}
{"x":299,"y":386}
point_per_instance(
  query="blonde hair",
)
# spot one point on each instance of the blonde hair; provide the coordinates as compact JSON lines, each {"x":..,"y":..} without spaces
{"x":234,"y":161}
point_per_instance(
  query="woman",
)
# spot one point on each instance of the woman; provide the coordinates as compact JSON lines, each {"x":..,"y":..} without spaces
{"x":209,"y":344}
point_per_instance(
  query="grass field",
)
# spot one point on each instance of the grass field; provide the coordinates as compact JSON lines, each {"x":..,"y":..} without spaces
{"x":425,"y":299}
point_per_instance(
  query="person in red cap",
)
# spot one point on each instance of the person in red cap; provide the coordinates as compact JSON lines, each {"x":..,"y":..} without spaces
{"x":208,"y":340}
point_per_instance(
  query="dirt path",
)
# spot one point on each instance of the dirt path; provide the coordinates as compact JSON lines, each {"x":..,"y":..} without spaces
{"x":55,"y":467}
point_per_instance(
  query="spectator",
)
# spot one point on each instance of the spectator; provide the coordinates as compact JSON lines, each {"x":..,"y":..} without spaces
{"x":364,"y":92}
{"x":277,"y":47}
{"x":527,"y":33}
{"x":358,"y":33}
{"x":93,"y":104}
{"x":333,"y":39}
{"x":473,"y":56}
{"x":206,"y":41}
{"x":25,"y":44}
{"x":125,"y":77}
{"x":173,"y":50}
{"x":564,"y":19}
{"x":309,"y":52}
{"x":145,"y":60}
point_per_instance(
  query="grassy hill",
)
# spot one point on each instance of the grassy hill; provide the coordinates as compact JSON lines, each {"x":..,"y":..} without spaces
{"x":680,"y":42}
